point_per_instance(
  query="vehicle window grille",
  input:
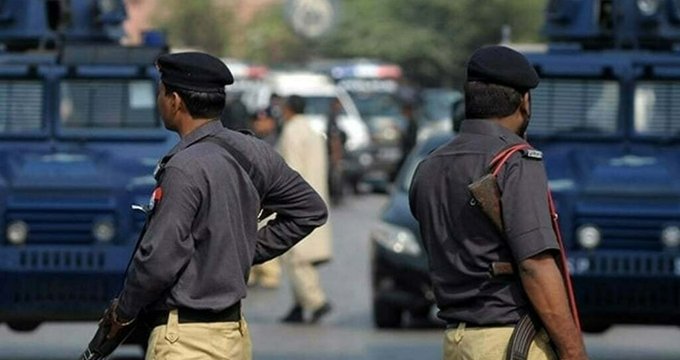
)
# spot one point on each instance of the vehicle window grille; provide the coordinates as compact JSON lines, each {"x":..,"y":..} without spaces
{"x":656,"y":108}
{"x":21,"y":106}
{"x":108,"y":104}
{"x":569,"y":105}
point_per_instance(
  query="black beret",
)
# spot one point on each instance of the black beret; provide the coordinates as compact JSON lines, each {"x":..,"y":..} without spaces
{"x":194,"y":71}
{"x":503,"y":66}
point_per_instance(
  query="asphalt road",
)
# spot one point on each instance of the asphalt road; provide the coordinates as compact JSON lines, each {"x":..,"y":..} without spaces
{"x":347,"y":333}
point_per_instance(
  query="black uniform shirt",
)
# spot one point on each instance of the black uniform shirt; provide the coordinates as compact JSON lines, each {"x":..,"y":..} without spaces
{"x":461,"y":242}
{"x":202,"y":236}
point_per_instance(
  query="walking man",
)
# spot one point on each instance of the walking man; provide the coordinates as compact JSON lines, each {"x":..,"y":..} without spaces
{"x":304,"y":149}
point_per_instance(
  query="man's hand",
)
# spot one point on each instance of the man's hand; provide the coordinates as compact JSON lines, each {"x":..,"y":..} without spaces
{"x":112,"y":319}
{"x":544,"y":286}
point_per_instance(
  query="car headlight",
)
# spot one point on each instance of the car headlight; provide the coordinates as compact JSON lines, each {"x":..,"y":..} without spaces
{"x":588,"y":236}
{"x":670,"y":236}
{"x":17,"y":232}
{"x":365,"y":159}
{"x":396,"y":238}
{"x":648,"y":7}
{"x":104,"y":230}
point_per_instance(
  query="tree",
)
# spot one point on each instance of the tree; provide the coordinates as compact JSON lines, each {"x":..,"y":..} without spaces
{"x":431,"y":39}
{"x":198,"y":24}
{"x":270,"y":40}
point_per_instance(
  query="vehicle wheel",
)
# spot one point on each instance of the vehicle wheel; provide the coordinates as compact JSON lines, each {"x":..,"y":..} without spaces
{"x":386,"y":316}
{"x":594,"y":327}
{"x":23,"y":326}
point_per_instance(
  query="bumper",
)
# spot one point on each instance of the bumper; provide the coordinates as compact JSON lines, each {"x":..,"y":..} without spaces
{"x":59,"y":283}
{"x":627,"y":287}
{"x":400,"y":280}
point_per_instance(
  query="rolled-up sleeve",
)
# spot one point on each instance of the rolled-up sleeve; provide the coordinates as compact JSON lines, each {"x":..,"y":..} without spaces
{"x":167,"y":245}
{"x":526,"y":215}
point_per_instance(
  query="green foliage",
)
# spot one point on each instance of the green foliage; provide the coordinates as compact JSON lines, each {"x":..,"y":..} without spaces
{"x":431,"y":39}
{"x":270,"y":40}
{"x":196,"y":24}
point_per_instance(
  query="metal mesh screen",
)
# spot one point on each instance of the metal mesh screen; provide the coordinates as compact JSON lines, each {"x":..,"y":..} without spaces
{"x":108,"y":104}
{"x":657,"y":105}
{"x":575,"y":105}
{"x":21,"y":106}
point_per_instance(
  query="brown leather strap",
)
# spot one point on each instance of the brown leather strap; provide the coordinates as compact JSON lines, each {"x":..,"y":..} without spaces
{"x":562,"y":263}
{"x":499,"y":160}
{"x":495,"y":166}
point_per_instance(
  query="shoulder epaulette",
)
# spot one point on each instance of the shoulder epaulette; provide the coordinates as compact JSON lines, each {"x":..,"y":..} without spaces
{"x":246,"y":132}
{"x":532,"y":154}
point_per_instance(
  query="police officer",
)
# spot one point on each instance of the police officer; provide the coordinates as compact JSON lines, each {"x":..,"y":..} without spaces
{"x":462,"y":242}
{"x":188,"y":275}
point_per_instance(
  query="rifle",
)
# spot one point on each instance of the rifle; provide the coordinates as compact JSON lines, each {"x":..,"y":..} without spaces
{"x":487,"y":194}
{"x":100,"y":347}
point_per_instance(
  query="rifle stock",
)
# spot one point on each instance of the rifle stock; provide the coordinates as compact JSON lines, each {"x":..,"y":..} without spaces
{"x":485,"y":192}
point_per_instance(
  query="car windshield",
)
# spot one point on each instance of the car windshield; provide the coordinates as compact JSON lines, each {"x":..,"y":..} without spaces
{"x":656,"y":108}
{"x":376,"y":104}
{"x":438,"y":103}
{"x":407,"y":170}
{"x":320,"y":105}
{"x":562,"y":106}
{"x":21,"y":106}
{"x":109,"y":104}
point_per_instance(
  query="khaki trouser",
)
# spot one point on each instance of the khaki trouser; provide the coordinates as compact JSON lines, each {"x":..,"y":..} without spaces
{"x":267,"y":274}
{"x":199,"y":341}
{"x":490,"y":343}
{"x":305,"y":282}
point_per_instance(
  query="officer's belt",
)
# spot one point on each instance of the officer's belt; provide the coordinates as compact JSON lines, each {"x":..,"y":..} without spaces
{"x":186,"y":315}
{"x":454,"y":325}
{"x":522,"y":336}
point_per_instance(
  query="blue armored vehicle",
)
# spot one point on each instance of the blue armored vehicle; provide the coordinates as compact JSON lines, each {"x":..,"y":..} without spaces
{"x":606,"y":117}
{"x":79,"y":140}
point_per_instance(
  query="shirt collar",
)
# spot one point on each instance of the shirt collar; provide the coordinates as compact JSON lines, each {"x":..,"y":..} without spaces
{"x":207,"y":129}
{"x":489,"y":128}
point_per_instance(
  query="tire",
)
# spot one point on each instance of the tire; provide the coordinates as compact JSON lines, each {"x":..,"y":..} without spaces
{"x":386,"y":316}
{"x":594,"y":327}
{"x":23,"y":326}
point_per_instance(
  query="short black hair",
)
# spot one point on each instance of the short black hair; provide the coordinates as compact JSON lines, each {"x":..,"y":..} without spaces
{"x":296,"y":103}
{"x":485,"y":101}
{"x":203,"y":105}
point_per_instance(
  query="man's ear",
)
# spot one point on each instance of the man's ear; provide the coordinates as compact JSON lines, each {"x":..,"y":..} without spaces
{"x":525,"y":106}
{"x":177,"y":103}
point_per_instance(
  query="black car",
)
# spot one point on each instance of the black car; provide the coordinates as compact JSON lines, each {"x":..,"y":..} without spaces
{"x":401,"y":285}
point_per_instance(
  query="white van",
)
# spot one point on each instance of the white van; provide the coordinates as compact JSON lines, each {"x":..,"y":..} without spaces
{"x":319,"y":91}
